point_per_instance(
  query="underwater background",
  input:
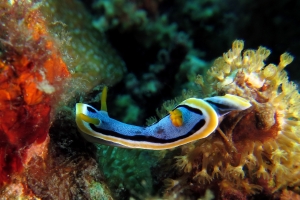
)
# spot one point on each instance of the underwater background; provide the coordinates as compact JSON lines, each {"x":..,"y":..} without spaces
{"x":152,"y":54}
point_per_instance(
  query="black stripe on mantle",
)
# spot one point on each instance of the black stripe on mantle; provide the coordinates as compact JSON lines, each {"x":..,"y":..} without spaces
{"x":152,"y":139}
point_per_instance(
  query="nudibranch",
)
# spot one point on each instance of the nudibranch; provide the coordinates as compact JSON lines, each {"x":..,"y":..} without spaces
{"x":190,"y":120}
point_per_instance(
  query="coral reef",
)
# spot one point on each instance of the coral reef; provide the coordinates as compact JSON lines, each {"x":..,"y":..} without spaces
{"x":156,"y":51}
{"x":204,"y":27}
{"x":288,"y":195}
{"x":49,"y":49}
{"x":86,"y":51}
{"x":253,"y":151}
{"x":32,"y":75}
{"x":135,"y":15}
{"x":40,"y":68}
{"x":128,"y":171}
{"x":171,"y":39}
{"x":70,"y":169}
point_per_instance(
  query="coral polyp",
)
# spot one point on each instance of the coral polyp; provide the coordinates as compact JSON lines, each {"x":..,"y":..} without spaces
{"x":253,"y":150}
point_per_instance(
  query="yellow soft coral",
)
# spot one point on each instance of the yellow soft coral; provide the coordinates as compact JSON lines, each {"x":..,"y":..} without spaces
{"x":257,"y":149}
{"x":184,"y":163}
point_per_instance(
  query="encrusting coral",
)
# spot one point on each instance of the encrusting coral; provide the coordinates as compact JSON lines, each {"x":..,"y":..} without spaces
{"x":254,"y":151}
{"x":37,"y":64}
{"x":31,"y":81}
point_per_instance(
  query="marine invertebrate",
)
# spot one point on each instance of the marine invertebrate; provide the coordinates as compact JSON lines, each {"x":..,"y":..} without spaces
{"x":33,"y":77}
{"x":287,"y":195}
{"x":190,"y":120}
{"x":170,"y":183}
{"x":184,"y":163}
{"x":257,"y":149}
{"x":32,"y":72}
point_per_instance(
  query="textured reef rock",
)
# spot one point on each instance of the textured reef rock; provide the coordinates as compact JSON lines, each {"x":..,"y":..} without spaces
{"x":86,"y":51}
{"x":32,"y":72}
{"x":47,"y":51}
{"x":254,"y":152}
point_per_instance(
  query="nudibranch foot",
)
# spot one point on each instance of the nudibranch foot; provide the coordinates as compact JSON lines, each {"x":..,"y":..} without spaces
{"x":190,"y":120}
